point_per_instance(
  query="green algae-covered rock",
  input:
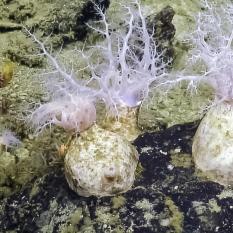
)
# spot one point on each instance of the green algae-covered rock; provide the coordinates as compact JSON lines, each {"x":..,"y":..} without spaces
{"x":100,"y":163}
{"x":51,"y":16}
{"x":176,"y":106}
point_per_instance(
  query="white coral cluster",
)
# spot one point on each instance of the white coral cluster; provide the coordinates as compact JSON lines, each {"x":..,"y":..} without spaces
{"x":128,"y":65}
{"x":212,"y":42}
{"x":211,"y":53}
{"x":131,"y":60}
{"x":101,"y":162}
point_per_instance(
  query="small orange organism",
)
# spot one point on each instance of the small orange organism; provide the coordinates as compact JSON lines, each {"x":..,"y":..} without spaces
{"x":62,"y":149}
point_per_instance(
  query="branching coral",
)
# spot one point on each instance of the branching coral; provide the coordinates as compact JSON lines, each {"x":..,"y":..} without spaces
{"x":128,"y":64}
{"x":131,"y":60}
{"x":213,"y":45}
{"x":72,"y":102}
{"x":212,"y":51}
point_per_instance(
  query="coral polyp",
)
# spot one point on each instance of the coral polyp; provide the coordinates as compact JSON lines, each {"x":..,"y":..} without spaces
{"x":74,"y":115}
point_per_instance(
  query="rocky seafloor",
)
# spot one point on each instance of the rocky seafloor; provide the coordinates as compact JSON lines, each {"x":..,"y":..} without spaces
{"x":167,"y":196}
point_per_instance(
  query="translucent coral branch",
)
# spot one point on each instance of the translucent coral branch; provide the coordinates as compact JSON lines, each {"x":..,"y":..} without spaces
{"x":52,"y":59}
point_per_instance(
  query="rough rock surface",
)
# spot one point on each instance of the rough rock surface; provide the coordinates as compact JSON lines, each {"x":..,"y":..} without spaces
{"x":167,"y":196}
{"x":177,"y":106}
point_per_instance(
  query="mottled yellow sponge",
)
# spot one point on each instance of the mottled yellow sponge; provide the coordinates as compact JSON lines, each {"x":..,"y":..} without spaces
{"x":100,"y":163}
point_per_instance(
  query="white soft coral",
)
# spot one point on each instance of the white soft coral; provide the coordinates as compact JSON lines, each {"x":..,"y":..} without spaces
{"x":211,"y":51}
{"x":212,"y":42}
{"x":129,"y":63}
{"x":72,"y":103}
{"x":74,"y":114}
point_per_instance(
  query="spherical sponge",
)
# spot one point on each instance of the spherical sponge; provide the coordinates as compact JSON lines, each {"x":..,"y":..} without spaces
{"x":100,"y":163}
